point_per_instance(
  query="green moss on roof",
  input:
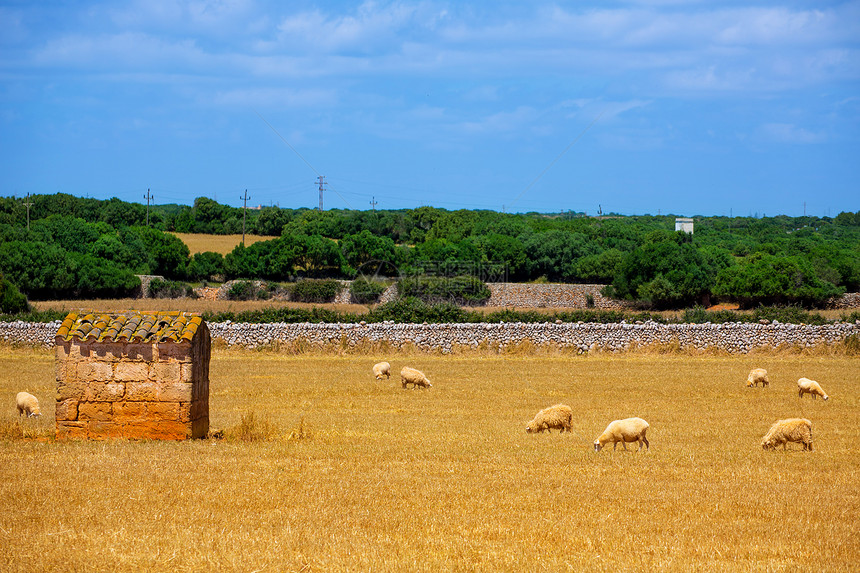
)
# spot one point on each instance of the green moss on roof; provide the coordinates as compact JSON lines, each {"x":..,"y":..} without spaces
{"x":131,"y":326}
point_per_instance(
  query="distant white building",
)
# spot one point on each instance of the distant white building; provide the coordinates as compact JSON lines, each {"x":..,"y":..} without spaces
{"x":684,"y":224}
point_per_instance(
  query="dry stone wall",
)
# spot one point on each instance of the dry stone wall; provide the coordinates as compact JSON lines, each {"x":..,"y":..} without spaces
{"x":731,"y":337}
{"x":29,"y":333}
{"x":520,"y":295}
{"x":847,"y":301}
{"x":145,"y":280}
{"x":554,"y":295}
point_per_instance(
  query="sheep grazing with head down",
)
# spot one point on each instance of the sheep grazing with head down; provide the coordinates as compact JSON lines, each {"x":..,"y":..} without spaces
{"x":382,"y":369}
{"x":628,"y":430}
{"x":757,"y":375}
{"x":415,"y":377}
{"x":791,"y":430}
{"x":811,"y":387}
{"x":27,"y":404}
{"x":558,"y":417}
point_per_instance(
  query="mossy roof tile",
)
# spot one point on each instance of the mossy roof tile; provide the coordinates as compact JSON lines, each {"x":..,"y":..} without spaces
{"x":136,"y":326}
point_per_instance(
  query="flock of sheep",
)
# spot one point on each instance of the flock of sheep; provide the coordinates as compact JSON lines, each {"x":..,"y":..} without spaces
{"x":408,"y":375}
{"x":560,"y":416}
{"x":798,"y":430}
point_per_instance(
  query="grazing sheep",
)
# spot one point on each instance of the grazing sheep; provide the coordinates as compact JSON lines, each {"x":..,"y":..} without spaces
{"x":415,"y":377}
{"x":807,"y":386}
{"x":757,"y":375}
{"x":558,"y":417}
{"x":382,"y":369}
{"x":629,"y":430}
{"x":791,"y":430}
{"x":27,"y":404}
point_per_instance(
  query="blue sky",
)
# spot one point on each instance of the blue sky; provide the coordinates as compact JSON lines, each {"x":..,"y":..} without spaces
{"x":684,"y":107}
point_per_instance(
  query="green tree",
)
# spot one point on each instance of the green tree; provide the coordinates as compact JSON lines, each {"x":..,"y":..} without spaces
{"x":554,"y":253}
{"x":118,"y":213}
{"x":508,"y":250}
{"x":96,"y":278}
{"x":364,"y":247}
{"x":271,"y":221}
{"x":168,"y":255}
{"x":319,"y":254}
{"x":453,"y":225}
{"x":645,"y":272}
{"x":39,"y":269}
{"x":205,"y":265}
{"x":69,"y":233}
{"x":601,"y":268}
{"x":11,"y":299}
{"x":769,"y":279}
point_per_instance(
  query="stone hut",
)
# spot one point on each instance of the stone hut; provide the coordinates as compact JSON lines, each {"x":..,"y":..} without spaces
{"x":142,"y":375}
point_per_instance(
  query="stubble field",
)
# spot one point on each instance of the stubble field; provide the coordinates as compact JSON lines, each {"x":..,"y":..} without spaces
{"x":223,"y":244}
{"x":361,"y":475}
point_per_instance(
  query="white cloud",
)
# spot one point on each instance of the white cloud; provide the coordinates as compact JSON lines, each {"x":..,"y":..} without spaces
{"x":713,"y":80}
{"x":119,"y":52}
{"x":253,"y":98}
{"x":638,"y":51}
{"x":210,"y":17}
{"x":788,"y":133}
{"x":370,"y":28}
{"x":523,"y":117}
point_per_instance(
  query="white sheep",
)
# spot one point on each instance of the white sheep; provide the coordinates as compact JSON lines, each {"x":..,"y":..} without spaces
{"x":791,"y":430}
{"x":628,"y":430}
{"x":27,"y":404}
{"x":382,"y":369}
{"x":415,"y":377}
{"x":558,"y":417}
{"x":807,"y":386}
{"x":757,"y":375}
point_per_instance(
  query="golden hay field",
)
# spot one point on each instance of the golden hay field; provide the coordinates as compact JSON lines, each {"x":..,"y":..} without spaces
{"x":217,"y":243}
{"x":361,"y":475}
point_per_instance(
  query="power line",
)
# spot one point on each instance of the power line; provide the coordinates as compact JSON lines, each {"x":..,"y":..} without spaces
{"x":244,"y":209}
{"x":28,"y":204}
{"x":322,"y":188}
{"x":148,"y":198}
{"x":302,"y":158}
{"x":578,"y":137}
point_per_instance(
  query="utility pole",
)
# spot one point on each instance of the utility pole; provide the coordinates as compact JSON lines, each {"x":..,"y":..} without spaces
{"x":322,"y":188}
{"x":244,"y":208}
{"x":373,"y":204}
{"x":148,"y":198}
{"x":28,"y":204}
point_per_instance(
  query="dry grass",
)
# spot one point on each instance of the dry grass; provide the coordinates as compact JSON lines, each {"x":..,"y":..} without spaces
{"x":218,"y":243}
{"x":360,"y":475}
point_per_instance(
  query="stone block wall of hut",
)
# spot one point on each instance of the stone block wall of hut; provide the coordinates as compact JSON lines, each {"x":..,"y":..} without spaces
{"x":137,"y":390}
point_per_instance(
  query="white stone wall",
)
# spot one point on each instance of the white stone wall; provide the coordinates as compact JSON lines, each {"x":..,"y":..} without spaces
{"x":732,"y":337}
{"x":552,"y":295}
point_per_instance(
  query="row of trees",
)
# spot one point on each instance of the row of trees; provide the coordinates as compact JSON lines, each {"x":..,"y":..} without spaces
{"x":96,"y":247}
